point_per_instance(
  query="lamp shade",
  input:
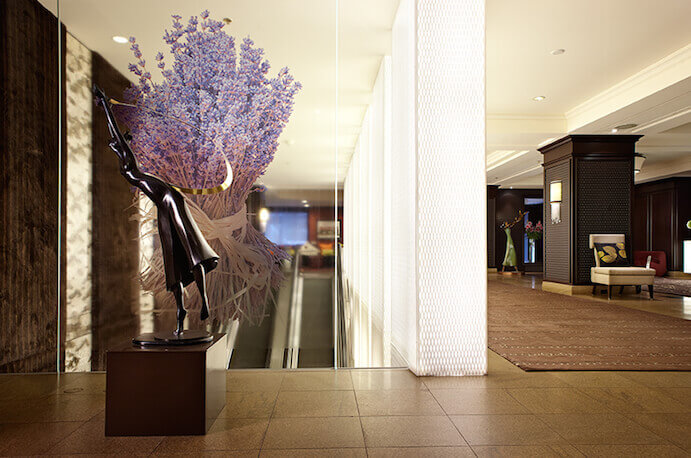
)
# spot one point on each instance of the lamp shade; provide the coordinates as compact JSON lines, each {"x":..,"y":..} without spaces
{"x":555,"y":191}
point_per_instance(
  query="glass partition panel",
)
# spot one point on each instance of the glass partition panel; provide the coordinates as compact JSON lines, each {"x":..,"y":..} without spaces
{"x":199,"y":92}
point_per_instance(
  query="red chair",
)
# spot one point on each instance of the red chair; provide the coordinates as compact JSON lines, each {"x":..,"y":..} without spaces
{"x":658,"y":261}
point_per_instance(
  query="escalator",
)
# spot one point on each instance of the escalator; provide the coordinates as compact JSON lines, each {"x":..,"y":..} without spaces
{"x":299,"y":330}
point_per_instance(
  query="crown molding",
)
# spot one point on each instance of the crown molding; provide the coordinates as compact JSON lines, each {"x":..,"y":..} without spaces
{"x":671,"y":69}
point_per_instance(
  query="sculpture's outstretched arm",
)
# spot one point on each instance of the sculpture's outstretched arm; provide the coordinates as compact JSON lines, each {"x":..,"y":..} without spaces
{"x":118,"y":142}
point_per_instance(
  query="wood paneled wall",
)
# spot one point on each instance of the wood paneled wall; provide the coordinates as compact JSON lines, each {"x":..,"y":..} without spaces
{"x":603,"y":206}
{"x":29,"y":138}
{"x":557,"y":238}
{"x":661,"y":210}
{"x":491,"y":229}
{"x":115,"y":247}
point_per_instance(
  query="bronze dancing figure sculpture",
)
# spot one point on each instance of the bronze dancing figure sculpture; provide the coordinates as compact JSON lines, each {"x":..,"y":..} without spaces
{"x":187,"y":256}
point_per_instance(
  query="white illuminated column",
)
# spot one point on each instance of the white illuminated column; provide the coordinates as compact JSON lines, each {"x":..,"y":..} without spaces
{"x":450,"y":187}
{"x":415,"y":197}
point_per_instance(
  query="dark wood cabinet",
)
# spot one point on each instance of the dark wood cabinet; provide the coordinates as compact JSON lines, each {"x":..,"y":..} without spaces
{"x":660,"y":212}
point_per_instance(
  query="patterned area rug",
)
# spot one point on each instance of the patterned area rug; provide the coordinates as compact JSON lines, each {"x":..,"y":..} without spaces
{"x":678,"y":286}
{"x":537,"y":330}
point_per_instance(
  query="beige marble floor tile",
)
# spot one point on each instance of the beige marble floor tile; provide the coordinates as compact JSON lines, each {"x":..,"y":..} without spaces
{"x":397,"y":402}
{"x":309,"y":453}
{"x":30,"y":386}
{"x":420,"y":452}
{"x":594,"y":379}
{"x":526,"y":451}
{"x":254,"y":380}
{"x":90,"y":438}
{"x":478,"y":401}
{"x":33,"y":438}
{"x":496,"y":363}
{"x":681,"y":394}
{"x":67,"y":407}
{"x":557,"y":400}
{"x":496,"y":380}
{"x":225,"y":434}
{"x":636,"y":400}
{"x":632,"y":451}
{"x":656,"y":379}
{"x":87,"y":383}
{"x":386,"y":379}
{"x":316,"y":404}
{"x":610,"y":429}
{"x":400,"y":431}
{"x":249,"y":404}
{"x":325,"y":432}
{"x":317,"y":380}
{"x":505,"y":430}
{"x":675,"y":427}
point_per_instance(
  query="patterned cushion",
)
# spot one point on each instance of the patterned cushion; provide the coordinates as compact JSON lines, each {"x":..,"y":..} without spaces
{"x":612,"y":255}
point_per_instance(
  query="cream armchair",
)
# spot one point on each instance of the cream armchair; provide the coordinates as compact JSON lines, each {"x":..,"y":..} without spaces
{"x":618,"y":276}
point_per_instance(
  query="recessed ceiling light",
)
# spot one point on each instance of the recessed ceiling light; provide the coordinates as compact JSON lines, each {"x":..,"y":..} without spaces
{"x":304,"y":201}
{"x":119,"y":39}
{"x":626,"y":126}
{"x":556,"y":52}
{"x":306,"y":205}
{"x":615,"y":130}
{"x":539,"y":98}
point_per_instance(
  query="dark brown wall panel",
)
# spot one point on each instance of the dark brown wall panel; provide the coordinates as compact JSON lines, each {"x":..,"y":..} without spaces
{"x":639,"y":228}
{"x":603,"y":206}
{"x":557,"y":254}
{"x":661,"y":210}
{"x":491,"y":230}
{"x":662,"y":216}
{"x":115,"y":250}
{"x":29,"y":136}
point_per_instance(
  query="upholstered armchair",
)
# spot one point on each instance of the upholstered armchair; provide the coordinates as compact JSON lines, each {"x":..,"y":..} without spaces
{"x":619,"y":275}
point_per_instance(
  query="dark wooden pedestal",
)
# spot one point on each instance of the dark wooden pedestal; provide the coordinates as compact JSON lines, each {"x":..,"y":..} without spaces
{"x":165,"y":391}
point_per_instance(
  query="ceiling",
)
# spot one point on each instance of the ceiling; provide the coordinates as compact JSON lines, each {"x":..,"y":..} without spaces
{"x":625,"y":61}
{"x":331,"y":47}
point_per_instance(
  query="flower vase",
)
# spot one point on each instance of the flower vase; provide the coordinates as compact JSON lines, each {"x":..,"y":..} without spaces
{"x":532,"y":254}
{"x":510,"y":256}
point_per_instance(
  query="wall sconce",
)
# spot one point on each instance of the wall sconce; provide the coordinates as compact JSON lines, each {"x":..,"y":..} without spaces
{"x":555,"y":201}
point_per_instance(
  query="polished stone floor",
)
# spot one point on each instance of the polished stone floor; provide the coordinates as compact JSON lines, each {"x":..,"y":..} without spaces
{"x":376,"y":412}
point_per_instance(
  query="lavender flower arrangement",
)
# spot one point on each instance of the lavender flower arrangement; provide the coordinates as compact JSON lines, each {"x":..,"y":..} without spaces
{"x":213,"y":101}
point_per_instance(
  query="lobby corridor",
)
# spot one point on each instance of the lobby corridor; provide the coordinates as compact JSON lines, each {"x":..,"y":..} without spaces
{"x":375,"y":412}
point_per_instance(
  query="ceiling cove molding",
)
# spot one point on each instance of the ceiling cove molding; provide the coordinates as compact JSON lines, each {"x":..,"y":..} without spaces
{"x":663,"y":73}
{"x":524,"y":117}
{"x":530,"y":172}
{"x":525,"y":124}
{"x":660,"y":170}
{"x":665,"y":122}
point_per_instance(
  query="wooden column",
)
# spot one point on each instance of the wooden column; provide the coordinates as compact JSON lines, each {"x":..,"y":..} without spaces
{"x":491,"y":229}
{"x":596,"y":175}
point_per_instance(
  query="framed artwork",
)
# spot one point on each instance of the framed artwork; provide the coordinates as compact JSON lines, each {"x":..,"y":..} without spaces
{"x":328,"y":229}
